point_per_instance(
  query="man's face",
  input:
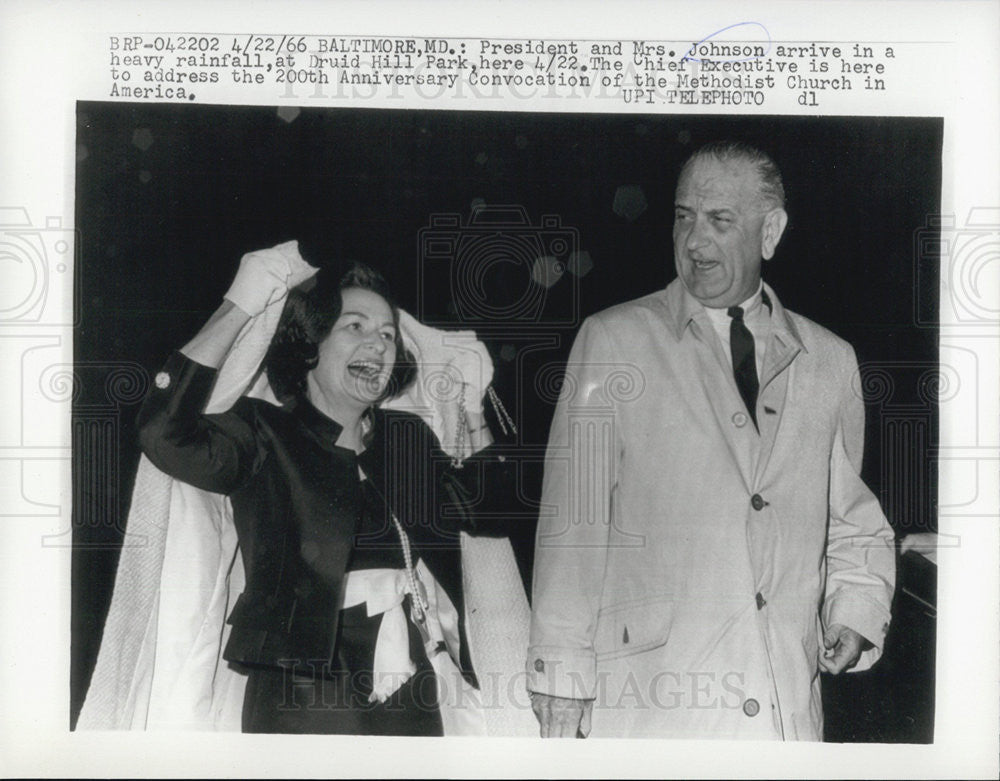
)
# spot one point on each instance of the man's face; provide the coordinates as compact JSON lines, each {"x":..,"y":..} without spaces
{"x":722,"y":231}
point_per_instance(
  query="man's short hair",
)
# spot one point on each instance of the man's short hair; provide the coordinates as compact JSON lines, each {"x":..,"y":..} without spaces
{"x":772,"y":188}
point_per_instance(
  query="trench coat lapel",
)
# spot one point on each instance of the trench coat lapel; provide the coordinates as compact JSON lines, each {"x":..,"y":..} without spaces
{"x":784,"y":344}
{"x":714,"y":370}
{"x":724,"y":397}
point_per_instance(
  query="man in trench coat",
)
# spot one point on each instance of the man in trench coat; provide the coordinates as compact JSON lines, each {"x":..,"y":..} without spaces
{"x":706,"y":547}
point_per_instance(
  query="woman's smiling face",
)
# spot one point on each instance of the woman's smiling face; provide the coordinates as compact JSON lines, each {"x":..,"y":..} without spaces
{"x":357,"y":357}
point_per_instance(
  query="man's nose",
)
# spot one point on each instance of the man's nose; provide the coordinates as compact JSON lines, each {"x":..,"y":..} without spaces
{"x":697,"y":236}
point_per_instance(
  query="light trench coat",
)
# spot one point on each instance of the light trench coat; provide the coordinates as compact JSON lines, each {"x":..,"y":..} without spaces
{"x":687,"y":565}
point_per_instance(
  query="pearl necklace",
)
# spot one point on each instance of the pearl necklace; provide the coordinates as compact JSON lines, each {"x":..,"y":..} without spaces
{"x":416,"y":589}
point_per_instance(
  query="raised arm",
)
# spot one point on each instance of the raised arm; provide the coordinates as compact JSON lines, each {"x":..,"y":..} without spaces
{"x":263,"y":277}
{"x":212,"y":343}
{"x":213,"y":452}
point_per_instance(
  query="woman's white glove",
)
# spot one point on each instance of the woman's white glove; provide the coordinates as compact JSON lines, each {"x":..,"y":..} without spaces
{"x":266,"y":276}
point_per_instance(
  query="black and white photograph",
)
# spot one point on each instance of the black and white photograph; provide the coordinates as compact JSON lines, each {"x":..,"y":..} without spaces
{"x":499,"y":389}
{"x":690,"y":551}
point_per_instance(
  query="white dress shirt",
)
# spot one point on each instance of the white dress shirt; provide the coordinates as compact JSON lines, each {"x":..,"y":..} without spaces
{"x":757,"y":317}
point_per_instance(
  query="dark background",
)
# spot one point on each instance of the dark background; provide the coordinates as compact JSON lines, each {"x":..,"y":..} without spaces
{"x":169,"y":197}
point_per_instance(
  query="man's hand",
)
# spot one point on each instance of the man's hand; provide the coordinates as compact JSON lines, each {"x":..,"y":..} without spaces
{"x":562,"y":717}
{"x":843,"y":649}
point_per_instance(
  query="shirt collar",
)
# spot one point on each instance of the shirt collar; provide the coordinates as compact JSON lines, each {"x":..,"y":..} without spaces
{"x":751,"y":307}
{"x":685,"y":309}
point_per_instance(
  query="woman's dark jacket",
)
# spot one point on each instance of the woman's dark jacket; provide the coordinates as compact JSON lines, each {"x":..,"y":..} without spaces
{"x":296,"y":501}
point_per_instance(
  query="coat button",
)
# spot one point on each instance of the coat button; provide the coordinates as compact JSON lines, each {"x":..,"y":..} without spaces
{"x":760,"y":601}
{"x":162,"y":380}
{"x":751,"y":707}
{"x":740,"y":419}
{"x":757,"y":502}
{"x":539,"y":665}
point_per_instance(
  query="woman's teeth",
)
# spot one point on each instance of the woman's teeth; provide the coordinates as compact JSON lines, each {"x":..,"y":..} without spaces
{"x":366,"y":369}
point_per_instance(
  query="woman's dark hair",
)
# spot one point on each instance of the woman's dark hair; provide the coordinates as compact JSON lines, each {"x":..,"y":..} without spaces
{"x":307,"y":319}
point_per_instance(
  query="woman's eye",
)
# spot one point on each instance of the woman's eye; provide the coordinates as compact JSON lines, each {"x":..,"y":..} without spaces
{"x":387,"y":336}
{"x":355,"y":326}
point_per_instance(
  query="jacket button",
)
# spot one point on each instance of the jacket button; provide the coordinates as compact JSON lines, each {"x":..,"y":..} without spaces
{"x":539,"y":665}
{"x":740,"y":419}
{"x":760,"y":601}
{"x":162,"y":380}
{"x":757,"y":502}
{"x":751,"y":707}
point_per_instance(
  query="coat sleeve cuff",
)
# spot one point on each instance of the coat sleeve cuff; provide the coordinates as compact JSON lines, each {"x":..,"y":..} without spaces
{"x":180,"y":389}
{"x":864,"y":616}
{"x":562,"y":672}
{"x":194,"y":379}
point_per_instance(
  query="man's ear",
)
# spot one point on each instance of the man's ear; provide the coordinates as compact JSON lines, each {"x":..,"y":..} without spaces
{"x":774,"y":226}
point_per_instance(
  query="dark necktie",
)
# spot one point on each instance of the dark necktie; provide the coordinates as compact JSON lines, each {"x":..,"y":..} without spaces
{"x":741,"y":347}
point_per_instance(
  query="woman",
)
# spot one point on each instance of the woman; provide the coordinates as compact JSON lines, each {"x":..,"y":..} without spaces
{"x":338,"y":505}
